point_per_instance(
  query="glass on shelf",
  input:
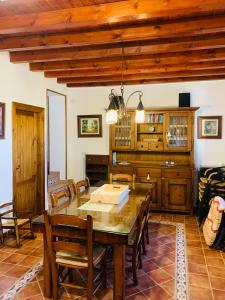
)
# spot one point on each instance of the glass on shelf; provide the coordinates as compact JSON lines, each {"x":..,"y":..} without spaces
{"x":177,"y":131}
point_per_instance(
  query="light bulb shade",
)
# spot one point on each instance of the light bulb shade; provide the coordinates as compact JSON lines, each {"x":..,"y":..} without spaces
{"x":111,"y":116}
{"x":140,"y":113}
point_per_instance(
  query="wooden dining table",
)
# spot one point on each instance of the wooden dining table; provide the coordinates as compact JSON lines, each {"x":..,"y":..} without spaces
{"x":112,"y":225}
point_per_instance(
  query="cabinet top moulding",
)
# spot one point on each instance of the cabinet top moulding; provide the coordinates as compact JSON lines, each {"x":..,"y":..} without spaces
{"x":165,"y":109}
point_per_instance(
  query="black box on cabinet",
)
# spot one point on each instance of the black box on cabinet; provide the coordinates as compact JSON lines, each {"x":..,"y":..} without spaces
{"x":184,"y":99}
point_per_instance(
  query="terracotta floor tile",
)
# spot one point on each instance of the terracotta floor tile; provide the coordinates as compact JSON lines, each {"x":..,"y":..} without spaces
{"x":148,"y":266}
{"x":197,"y":293}
{"x":4,"y":267}
{"x":162,"y":261}
{"x":145,"y":282}
{"x":168,"y":287}
{"x":212,"y":253}
{"x":156,"y":293}
{"x":5,"y":283}
{"x":37,"y":252}
{"x":30,"y":290}
{"x":217,"y":283}
{"x":25,"y":250}
{"x":178,"y":218}
{"x":29,"y":261}
{"x":14,"y":258}
{"x":218,"y":295}
{"x":131,"y":289}
{"x":216,"y":271}
{"x":198,"y":269}
{"x":197,"y":259}
{"x":4,"y":254}
{"x":199,"y":280}
{"x":107,"y":294}
{"x":17,"y":271}
{"x":192,"y":243}
{"x":217,"y":262}
{"x":195,"y":251}
{"x":160,"y":276}
{"x":193,"y":236}
{"x":170,"y":269}
{"x":138,"y":296}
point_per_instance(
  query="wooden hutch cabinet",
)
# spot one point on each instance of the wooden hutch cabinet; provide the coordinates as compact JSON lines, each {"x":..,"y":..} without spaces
{"x":160,"y":152}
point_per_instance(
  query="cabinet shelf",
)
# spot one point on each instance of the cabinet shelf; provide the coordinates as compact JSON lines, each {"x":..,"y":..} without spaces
{"x":146,"y":132}
{"x":97,"y":168}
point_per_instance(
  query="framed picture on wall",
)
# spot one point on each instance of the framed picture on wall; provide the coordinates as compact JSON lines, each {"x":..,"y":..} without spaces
{"x":2,"y":120}
{"x":89,"y":125}
{"x":210,"y":127}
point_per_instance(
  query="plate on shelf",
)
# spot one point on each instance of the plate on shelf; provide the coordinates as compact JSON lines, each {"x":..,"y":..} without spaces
{"x":123,"y":163}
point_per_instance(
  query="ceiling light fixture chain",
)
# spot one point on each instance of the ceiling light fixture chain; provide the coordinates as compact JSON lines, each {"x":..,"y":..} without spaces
{"x":117,"y":108}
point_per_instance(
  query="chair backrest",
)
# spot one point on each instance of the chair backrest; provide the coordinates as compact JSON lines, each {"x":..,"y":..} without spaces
{"x":141,"y":222}
{"x":81,"y":185}
{"x":123,"y":178}
{"x":58,"y":197}
{"x":6,"y":209}
{"x":71,"y":188}
{"x":148,"y":199}
{"x":61,"y":237}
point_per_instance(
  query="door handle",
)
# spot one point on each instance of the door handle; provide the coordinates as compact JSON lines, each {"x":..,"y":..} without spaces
{"x":18,"y":167}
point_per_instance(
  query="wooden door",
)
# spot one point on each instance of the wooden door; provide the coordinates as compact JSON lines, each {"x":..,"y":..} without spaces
{"x":28,"y":159}
{"x":177,"y":194}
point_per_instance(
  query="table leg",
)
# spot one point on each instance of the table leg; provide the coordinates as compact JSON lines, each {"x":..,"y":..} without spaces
{"x":47,"y":271}
{"x":119,"y":271}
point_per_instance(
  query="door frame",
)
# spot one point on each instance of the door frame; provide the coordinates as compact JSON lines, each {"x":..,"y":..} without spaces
{"x":40,"y":148}
{"x":48,"y":130}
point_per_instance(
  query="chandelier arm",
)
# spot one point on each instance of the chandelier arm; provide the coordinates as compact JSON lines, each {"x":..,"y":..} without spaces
{"x":140,"y":93}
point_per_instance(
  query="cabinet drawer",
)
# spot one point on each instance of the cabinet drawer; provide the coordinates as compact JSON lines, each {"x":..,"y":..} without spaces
{"x":155,"y":146}
{"x":142,"y":146}
{"x":121,"y":169}
{"x":153,"y":172}
{"x":94,"y":159}
{"x":178,"y":173}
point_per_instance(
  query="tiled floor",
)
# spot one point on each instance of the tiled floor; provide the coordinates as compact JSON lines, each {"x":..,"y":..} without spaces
{"x":156,"y":279}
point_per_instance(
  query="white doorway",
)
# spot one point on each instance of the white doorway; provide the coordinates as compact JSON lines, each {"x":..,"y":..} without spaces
{"x":57,"y":133}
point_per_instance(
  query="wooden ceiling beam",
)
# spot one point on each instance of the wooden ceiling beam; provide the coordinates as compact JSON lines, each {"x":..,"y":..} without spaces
{"x":131,"y":48}
{"x":141,"y":76}
{"x":133,"y":61}
{"x":123,"y":12}
{"x":165,"y":30}
{"x":136,"y":70}
{"x":147,"y":81}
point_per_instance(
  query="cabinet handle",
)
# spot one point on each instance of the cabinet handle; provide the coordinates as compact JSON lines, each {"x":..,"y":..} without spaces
{"x":148,"y":176}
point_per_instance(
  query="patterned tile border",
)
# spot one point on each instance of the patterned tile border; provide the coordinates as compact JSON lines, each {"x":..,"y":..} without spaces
{"x":181,"y":276}
{"x":22,"y":281}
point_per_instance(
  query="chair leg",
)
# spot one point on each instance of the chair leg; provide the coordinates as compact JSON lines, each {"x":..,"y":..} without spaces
{"x":90,"y":284}
{"x":54,"y":283}
{"x":143,"y":243}
{"x":32,"y":236}
{"x":17,"y":236}
{"x":104,"y":274}
{"x":134,"y":267}
{"x":147,"y":236}
{"x":2,"y":236}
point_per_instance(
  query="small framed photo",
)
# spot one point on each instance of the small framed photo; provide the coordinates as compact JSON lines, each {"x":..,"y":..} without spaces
{"x":2,"y":120}
{"x":210,"y":127}
{"x":89,"y":126}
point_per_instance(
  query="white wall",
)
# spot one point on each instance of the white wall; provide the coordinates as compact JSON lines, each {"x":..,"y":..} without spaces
{"x":18,"y":84}
{"x":208,"y":95}
{"x":57,"y":130}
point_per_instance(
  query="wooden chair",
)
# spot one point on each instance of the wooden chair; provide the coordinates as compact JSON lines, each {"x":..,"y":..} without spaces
{"x":148,"y":200}
{"x":82,"y":185}
{"x":59,"y":197}
{"x":135,"y":243}
{"x":123,"y":179}
{"x":65,"y":254}
{"x":10,"y":221}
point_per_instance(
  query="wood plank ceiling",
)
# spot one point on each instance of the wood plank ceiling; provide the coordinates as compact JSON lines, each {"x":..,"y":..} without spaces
{"x":80,"y":42}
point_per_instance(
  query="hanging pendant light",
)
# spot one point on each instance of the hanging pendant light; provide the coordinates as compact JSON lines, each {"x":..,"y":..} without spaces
{"x":117,"y":107}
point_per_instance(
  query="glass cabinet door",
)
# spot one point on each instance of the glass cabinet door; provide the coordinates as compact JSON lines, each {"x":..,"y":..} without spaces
{"x":178,"y":131}
{"x":123,"y":133}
